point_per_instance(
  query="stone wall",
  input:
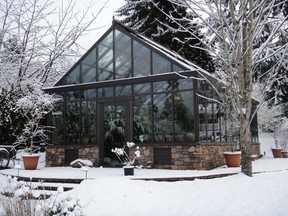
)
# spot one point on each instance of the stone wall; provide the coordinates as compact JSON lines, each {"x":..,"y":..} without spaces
{"x":55,"y":155}
{"x":202,"y":156}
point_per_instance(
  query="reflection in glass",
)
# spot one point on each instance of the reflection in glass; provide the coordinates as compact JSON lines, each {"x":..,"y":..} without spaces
{"x":105,"y":45}
{"x":141,"y":60}
{"x":160,"y":64}
{"x":123,"y":90}
{"x":89,"y":94}
{"x":142,"y":119}
{"x":184,"y":116}
{"x":88,"y":67}
{"x":105,"y":92}
{"x":58,"y":124}
{"x":162,"y":86}
{"x":211,"y":121}
{"x":106,"y":67}
{"x":122,"y":55}
{"x":73,"y":77}
{"x":73,"y":95}
{"x":184,"y":84}
{"x":142,"y":88}
{"x":72,"y":123}
{"x":163,"y":122}
{"x":114,"y":132}
{"x":88,"y":122}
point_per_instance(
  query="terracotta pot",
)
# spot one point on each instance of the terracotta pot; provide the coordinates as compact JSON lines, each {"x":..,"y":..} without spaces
{"x":277,"y":153}
{"x":30,"y":161}
{"x":233,"y":159}
{"x":128,"y":170}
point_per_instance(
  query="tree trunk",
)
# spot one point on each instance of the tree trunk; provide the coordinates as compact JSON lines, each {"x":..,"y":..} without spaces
{"x":245,"y":89}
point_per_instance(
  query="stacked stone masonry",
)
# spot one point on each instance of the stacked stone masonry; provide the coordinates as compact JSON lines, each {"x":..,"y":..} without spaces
{"x":55,"y":155}
{"x":201,"y":156}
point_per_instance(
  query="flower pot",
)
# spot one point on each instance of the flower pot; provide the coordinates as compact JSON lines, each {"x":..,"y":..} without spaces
{"x":254,"y":157}
{"x":30,"y":161}
{"x":128,"y":170}
{"x":233,"y":159}
{"x":277,"y":153}
{"x":284,"y":154}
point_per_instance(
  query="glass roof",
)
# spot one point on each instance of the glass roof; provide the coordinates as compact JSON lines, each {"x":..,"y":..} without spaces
{"x":120,"y":54}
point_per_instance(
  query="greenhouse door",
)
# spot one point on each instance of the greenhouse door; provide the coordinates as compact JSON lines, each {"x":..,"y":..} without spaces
{"x":114,"y":130}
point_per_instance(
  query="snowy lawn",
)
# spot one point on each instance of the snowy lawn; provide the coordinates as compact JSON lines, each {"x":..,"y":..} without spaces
{"x":108,"y":192}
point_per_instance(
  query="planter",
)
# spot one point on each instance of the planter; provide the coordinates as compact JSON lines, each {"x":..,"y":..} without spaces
{"x":128,"y":170}
{"x":284,"y":154}
{"x":30,"y":161}
{"x":277,"y":153}
{"x":233,"y":159}
{"x":254,"y":157}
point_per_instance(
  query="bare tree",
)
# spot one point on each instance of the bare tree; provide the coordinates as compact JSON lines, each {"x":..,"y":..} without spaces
{"x":35,"y":35}
{"x":235,"y":33}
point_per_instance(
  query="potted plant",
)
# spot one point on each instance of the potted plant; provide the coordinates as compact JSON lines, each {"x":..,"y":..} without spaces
{"x":282,"y":138}
{"x":232,"y":157}
{"x":33,"y":107}
{"x":125,"y":159}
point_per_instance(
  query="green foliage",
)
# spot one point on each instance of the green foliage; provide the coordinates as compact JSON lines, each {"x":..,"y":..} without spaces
{"x":11,"y":121}
{"x":146,"y":18}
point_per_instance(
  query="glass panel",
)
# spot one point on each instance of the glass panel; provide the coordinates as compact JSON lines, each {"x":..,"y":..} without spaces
{"x":184,"y":116}
{"x":105,"y":92}
{"x":72,"y":123}
{"x":122,"y":55}
{"x":89,"y":94}
{"x":105,"y":45}
{"x":142,"y":88}
{"x":142,"y":119}
{"x":183,"y":84}
{"x":73,"y":77}
{"x":114,"y":132}
{"x":123,"y":90}
{"x":162,"y":86}
{"x":211,"y":121}
{"x":105,"y":56}
{"x":162,"y":111}
{"x":141,"y":60}
{"x":106,"y":67}
{"x":177,"y":68}
{"x":88,"y":67}
{"x":160,"y":64}
{"x":88,"y":122}
{"x":58,"y":124}
{"x":74,"y":95}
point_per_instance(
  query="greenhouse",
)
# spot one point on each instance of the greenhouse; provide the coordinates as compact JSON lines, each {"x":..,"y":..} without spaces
{"x":128,"y":88}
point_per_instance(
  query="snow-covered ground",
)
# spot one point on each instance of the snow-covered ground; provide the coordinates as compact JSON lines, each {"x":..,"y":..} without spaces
{"x":108,"y":192}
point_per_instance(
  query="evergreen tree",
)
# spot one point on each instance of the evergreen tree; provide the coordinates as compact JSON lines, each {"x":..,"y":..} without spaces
{"x":278,"y":92}
{"x":145,"y":17}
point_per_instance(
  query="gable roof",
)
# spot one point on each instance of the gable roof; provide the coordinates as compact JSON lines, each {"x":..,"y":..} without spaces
{"x":171,"y":56}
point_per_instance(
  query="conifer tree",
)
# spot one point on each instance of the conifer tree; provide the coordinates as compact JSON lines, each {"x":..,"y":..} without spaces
{"x":145,"y":16}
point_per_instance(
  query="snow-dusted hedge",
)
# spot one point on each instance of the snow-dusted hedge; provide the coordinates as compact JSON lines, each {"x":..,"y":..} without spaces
{"x":22,"y":198}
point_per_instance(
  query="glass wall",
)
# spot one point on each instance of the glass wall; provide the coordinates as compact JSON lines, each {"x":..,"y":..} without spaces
{"x":211,"y":116}
{"x":163,"y":113}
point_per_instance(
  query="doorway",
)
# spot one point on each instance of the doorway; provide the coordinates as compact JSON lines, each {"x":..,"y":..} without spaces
{"x":114,"y":130}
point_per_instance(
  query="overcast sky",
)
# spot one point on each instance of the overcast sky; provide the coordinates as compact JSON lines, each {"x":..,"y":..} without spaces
{"x":104,"y":19}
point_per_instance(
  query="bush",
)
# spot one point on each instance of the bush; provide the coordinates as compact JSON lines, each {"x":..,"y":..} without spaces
{"x":22,"y":198}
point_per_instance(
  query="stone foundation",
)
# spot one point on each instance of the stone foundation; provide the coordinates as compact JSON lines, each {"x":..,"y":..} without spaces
{"x":201,"y":156}
{"x":55,"y":155}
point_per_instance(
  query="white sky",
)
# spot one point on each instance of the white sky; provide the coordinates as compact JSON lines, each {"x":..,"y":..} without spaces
{"x":104,"y":20}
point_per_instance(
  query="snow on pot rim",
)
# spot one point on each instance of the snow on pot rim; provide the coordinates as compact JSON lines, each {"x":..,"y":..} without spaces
{"x":230,"y":152}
